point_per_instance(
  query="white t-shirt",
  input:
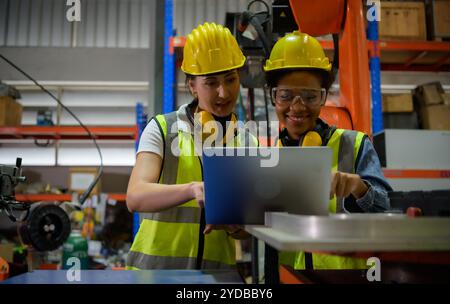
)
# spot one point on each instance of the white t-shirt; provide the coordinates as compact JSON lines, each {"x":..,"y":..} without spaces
{"x":151,"y":139}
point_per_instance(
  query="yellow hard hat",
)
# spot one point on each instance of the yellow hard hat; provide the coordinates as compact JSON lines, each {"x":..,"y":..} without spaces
{"x":297,"y":50}
{"x":211,"y":48}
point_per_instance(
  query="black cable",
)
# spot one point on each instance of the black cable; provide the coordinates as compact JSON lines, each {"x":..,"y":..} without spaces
{"x":335,"y":65}
{"x":201,"y":241}
{"x":8,"y":207}
{"x":266,"y":46}
{"x":262,"y":36}
{"x":309,"y":261}
{"x":86,"y":194}
{"x":249,"y":17}
{"x":43,"y":145}
{"x":266,"y":105}
{"x":263,"y":13}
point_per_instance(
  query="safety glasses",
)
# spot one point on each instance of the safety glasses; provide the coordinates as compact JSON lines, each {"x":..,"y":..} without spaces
{"x":310,"y":97}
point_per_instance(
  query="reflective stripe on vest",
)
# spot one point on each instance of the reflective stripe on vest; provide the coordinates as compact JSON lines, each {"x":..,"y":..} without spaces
{"x":161,"y":262}
{"x":169,"y":239}
{"x":345,"y":145}
{"x":180,"y":214}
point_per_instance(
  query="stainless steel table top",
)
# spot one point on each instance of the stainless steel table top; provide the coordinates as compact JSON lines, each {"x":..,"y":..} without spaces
{"x":354,"y":232}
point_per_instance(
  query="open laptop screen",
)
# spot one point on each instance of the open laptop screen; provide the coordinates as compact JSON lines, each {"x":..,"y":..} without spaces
{"x":243,"y":183}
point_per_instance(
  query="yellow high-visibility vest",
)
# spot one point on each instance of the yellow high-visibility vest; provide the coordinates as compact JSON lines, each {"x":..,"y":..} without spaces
{"x":169,"y":239}
{"x":345,"y":145}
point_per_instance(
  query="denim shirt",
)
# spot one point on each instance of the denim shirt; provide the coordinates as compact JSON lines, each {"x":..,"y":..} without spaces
{"x":368,"y":167}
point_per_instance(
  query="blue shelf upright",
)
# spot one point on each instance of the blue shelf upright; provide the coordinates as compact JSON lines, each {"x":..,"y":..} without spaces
{"x":374,"y":65}
{"x":169,"y":60}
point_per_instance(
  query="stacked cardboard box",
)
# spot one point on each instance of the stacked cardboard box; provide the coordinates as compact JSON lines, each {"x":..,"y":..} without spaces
{"x":438,"y":21}
{"x":397,"y":103}
{"x":398,"y":112}
{"x":403,"y":20}
{"x":433,"y":105}
{"x":80,"y":179}
{"x":10,"y":111}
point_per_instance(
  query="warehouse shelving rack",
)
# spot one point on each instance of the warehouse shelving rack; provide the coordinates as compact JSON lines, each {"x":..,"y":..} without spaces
{"x":68,"y":132}
{"x":78,"y":133}
{"x":72,"y":133}
{"x":423,"y":56}
{"x":430,"y":56}
{"x":33,"y":198}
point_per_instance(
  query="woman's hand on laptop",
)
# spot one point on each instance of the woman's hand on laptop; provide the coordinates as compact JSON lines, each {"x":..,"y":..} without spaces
{"x":197,"y":193}
{"x":344,"y":184}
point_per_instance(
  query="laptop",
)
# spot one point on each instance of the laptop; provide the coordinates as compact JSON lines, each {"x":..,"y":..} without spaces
{"x":241,"y":184}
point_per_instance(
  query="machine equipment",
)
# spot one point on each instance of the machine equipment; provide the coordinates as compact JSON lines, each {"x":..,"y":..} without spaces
{"x":44,"y":226}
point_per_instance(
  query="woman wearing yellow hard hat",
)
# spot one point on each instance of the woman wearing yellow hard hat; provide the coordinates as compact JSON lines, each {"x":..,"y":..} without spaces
{"x":298,"y":75}
{"x":166,"y":187}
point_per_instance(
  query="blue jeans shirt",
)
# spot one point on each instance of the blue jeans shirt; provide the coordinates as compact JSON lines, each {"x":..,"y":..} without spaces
{"x":368,"y":167}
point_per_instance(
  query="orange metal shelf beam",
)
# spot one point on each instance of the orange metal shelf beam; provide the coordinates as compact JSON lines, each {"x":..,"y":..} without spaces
{"x":425,"y":46}
{"x":396,"y":173}
{"x":32,"y":198}
{"x":68,"y":132}
{"x":120,"y":197}
{"x":418,"y":67}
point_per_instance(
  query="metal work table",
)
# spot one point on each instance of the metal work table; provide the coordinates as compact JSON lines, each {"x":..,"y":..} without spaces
{"x":129,"y":277}
{"x":349,"y":233}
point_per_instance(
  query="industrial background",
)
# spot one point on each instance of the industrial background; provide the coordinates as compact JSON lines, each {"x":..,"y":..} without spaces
{"x":120,"y":65}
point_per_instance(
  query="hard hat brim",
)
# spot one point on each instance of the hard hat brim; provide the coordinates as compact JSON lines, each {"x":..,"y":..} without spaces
{"x":238,"y":66}
{"x":297,"y":67}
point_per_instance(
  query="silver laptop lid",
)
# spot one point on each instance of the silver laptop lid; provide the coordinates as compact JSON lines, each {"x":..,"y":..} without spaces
{"x":243,"y":183}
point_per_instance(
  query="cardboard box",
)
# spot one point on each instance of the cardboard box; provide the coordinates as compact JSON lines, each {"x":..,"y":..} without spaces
{"x":397,"y":103}
{"x":402,"y":21}
{"x":10,"y":112}
{"x":446,"y":98}
{"x":429,"y":94}
{"x":81,"y":177}
{"x":441,"y":18}
{"x":400,"y":120}
{"x":7,"y":251}
{"x":435,"y":117}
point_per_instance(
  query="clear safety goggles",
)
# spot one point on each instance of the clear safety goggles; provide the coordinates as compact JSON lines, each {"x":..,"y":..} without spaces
{"x":308,"y":96}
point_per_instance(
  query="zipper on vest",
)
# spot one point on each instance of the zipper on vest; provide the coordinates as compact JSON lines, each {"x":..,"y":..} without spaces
{"x":201,"y":236}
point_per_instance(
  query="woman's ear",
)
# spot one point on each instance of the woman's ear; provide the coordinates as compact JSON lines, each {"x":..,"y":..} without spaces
{"x":268,"y":90}
{"x":191,"y":86}
{"x":326,"y":96}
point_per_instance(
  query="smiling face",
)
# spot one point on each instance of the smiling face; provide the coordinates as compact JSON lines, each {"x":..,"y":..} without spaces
{"x":296,"y":117}
{"x":216,"y":93}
